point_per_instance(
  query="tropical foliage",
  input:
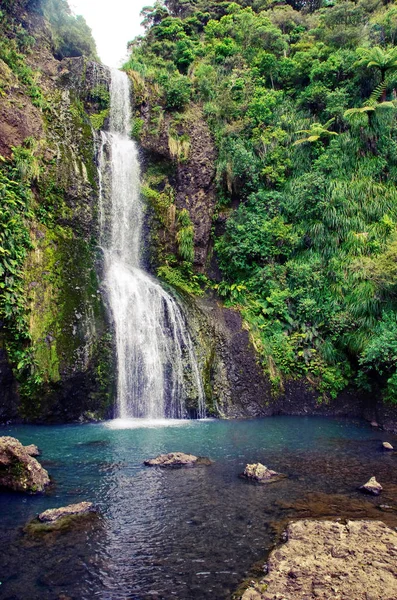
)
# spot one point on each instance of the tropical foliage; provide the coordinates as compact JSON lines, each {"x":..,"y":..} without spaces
{"x":300,"y":97}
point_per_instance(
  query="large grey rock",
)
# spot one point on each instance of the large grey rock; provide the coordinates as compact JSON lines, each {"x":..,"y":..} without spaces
{"x":18,"y":470}
{"x":177,"y":459}
{"x":53,"y":515}
{"x":372,"y":487}
{"x":326,"y":559}
{"x":261,"y":474}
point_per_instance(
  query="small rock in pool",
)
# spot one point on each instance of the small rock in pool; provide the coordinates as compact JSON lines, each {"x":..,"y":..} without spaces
{"x":32,"y":450}
{"x":374,"y":424}
{"x":53,"y":515}
{"x":261,"y":474}
{"x":177,"y":459}
{"x":372,"y":487}
{"x":387,"y":446}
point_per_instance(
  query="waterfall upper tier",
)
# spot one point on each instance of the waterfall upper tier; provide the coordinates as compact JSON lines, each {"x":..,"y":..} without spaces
{"x":156,"y":364}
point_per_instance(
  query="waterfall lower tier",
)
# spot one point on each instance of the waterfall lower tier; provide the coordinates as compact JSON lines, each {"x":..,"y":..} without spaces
{"x":156,"y":363}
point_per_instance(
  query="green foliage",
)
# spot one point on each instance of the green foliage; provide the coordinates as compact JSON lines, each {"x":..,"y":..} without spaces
{"x":181,"y":278}
{"x":15,"y":216}
{"x":137,"y":126}
{"x":71,"y":34}
{"x":98,"y":119}
{"x":177,"y":92}
{"x":185,"y":236}
{"x":16,"y":61}
{"x":316,"y":132}
{"x":308,"y":252}
{"x":101,"y":96}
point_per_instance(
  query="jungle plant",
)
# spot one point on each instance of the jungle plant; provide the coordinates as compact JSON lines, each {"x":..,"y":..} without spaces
{"x":316,"y":132}
{"x":384,"y":60}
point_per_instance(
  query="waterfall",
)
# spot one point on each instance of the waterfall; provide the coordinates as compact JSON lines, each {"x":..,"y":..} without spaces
{"x":156,"y":364}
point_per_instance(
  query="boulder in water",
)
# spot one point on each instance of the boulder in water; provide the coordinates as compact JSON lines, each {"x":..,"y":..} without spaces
{"x":53,"y":515}
{"x":66,"y":518}
{"x":177,"y":459}
{"x":386,"y":446}
{"x":261,"y":474}
{"x":18,"y":470}
{"x":32,"y":450}
{"x":372,"y":487}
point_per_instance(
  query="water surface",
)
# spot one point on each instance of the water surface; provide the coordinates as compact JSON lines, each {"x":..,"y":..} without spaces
{"x":188,"y":533}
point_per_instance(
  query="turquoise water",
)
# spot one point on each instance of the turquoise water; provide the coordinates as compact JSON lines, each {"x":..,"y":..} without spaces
{"x":187,"y":533}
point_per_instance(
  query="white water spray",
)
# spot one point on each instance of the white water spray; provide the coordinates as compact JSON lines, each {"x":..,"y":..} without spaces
{"x":156,"y":364}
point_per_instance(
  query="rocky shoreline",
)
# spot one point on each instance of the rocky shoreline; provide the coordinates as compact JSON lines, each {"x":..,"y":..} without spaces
{"x":321,"y":560}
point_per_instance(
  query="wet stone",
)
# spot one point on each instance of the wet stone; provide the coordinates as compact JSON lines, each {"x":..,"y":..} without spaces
{"x":372,"y":487}
{"x":177,"y":459}
{"x":53,"y":515}
{"x":387,"y":446}
{"x":260,"y":474}
{"x":19,"y":471}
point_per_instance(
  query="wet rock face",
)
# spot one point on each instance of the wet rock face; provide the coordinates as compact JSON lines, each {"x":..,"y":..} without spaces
{"x":194,"y":176}
{"x":372,"y":487}
{"x":260,"y":474}
{"x":325,"y":559}
{"x":69,"y":329}
{"x":54,"y":515}
{"x":177,"y":459}
{"x":19,"y":471}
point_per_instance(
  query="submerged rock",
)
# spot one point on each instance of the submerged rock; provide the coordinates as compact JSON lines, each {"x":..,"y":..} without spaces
{"x":372,"y":487}
{"x":18,"y":470}
{"x":261,"y":474}
{"x":53,"y":515}
{"x":387,"y":446}
{"x":32,"y":450}
{"x":177,"y":459}
{"x":326,"y":559}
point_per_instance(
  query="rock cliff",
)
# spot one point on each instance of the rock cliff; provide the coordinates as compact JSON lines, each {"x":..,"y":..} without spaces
{"x":56,"y":351}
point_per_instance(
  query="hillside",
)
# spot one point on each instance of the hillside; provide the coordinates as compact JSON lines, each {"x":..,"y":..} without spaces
{"x":300,"y":101}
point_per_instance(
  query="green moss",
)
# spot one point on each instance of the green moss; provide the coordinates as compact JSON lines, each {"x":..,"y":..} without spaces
{"x":185,"y":282}
{"x":100,"y":95}
{"x":64,"y":303}
{"x":98,"y":119}
{"x":68,"y":523}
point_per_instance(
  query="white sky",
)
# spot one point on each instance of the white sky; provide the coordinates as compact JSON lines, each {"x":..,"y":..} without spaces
{"x":113,"y":24}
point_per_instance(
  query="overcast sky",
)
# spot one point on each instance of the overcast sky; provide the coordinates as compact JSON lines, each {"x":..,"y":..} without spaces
{"x":113,"y":24}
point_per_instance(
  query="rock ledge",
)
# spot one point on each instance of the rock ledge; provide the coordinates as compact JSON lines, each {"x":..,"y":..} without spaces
{"x":325,"y":559}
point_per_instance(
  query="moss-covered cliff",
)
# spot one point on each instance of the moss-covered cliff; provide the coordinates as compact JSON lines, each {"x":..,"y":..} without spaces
{"x":56,"y":351}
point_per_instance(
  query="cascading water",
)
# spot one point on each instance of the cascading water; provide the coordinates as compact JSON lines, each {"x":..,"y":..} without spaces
{"x":156,"y":363}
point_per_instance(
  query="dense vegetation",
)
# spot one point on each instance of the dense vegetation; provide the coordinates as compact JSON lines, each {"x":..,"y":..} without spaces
{"x":301,"y":100}
{"x":31,"y":191}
